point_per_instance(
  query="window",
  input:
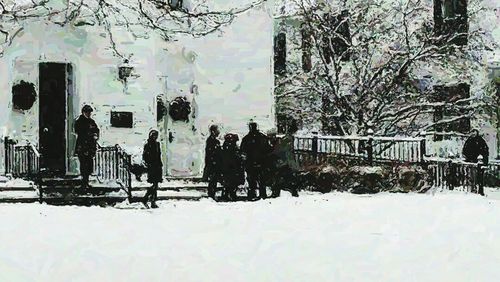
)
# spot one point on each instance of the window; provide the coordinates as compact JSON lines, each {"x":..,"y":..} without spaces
{"x":306,"y":49}
{"x":122,"y":119}
{"x":284,"y":122}
{"x":161,"y":109}
{"x":175,"y":4}
{"x":450,"y":21}
{"x":453,"y":97}
{"x":338,"y":37}
{"x":280,"y":53}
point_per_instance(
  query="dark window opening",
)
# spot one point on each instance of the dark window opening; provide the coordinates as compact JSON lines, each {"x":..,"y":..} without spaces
{"x":175,"y":4}
{"x":280,"y":53}
{"x":284,"y":122}
{"x":161,"y":109}
{"x":337,"y":38}
{"x":122,"y":119}
{"x":455,"y":102}
{"x":179,"y":109}
{"x":450,"y":21}
{"x":23,"y":95}
{"x":306,"y":49}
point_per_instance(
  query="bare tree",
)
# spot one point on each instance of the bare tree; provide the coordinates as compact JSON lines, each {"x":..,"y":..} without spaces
{"x":369,"y":58}
{"x":165,"y":17}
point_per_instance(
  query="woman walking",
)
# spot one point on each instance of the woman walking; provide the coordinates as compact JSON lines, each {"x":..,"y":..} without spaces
{"x":152,"y":158}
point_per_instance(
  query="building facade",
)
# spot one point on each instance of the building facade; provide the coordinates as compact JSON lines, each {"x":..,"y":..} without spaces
{"x":180,"y":88}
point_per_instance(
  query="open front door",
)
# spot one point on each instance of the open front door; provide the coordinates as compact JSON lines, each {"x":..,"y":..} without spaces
{"x":52,"y":120}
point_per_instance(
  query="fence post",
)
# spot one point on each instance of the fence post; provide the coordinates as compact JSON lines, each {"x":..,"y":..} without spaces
{"x":369,"y":147}
{"x":30,"y":154}
{"x":314,"y":146}
{"x":480,"y":174}
{"x":6,"y":152}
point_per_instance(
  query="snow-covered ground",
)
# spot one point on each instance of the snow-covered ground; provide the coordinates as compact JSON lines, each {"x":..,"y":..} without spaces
{"x":331,"y":237}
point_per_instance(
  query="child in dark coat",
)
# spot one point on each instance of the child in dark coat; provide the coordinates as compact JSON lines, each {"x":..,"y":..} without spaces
{"x":152,"y":158}
{"x":232,"y":166}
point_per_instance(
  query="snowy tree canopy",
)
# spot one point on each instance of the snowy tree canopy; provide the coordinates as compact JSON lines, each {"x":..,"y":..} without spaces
{"x":362,"y":64}
{"x":167,"y":18}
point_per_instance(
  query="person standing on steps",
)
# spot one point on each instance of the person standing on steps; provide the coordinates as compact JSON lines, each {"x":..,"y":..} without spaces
{"x":255,"y":148}
{"x":152,"y":158}
{"x":86,"y":143}
{"x":213,"y":152}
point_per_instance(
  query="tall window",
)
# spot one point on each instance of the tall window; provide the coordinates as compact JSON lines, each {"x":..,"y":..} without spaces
{"x":306,"y":49}
{"x":454,"y":108}
{"x":280,"y":53}
{"x":450,"y":20}
{"x":338,"y":37}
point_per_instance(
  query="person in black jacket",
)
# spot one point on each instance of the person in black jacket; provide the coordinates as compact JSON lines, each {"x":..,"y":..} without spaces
{"x":212,"y":171}
{"x":475,"y":146}
{"x":152,"y":158}
{"x":86,"y":143}
{"x":255,"y":148}
{"x":232,"y":167}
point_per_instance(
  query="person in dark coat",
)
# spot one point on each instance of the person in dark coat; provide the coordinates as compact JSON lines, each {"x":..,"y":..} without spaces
{"x":152,"y":158}
{"x":475,"y":146}
{"x":212,"y":171}
{"x":232,"y":167}
{"x":255,"y":148}
{"x":86,"y":143}
{"x":285,"y":168}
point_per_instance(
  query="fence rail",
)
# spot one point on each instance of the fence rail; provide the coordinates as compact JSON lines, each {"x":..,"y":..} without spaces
{"x":453,"y":174}
{"x":21,"y":160}
{"x":313,"y":150}
{"x":112,"y":163}
{"x":370,"y":148}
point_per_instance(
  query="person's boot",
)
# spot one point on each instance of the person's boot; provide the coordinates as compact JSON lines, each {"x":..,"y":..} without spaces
{"x":153,"y":205}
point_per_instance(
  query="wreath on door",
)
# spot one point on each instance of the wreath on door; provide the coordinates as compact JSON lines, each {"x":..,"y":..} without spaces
{"x":179,"y":109}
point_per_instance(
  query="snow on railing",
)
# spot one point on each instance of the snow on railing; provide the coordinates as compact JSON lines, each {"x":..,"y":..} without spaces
{"x":21,"y":160}
{"x":112,"y":163}
{"x":402,"y":149}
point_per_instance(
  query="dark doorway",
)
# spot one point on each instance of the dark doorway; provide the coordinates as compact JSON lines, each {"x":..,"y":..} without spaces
{"x":52,"y":121}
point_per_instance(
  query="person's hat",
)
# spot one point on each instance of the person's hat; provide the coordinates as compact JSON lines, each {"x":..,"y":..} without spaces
{"x":87,"y":109}
{"x":231,"y":137}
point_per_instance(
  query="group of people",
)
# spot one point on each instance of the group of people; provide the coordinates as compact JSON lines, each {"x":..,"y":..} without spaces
{"x":266,"y":160}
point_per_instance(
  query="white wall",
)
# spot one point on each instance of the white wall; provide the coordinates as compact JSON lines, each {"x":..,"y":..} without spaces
{"x":231,"y":74}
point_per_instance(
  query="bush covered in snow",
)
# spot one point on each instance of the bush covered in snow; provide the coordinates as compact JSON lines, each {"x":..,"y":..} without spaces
{"x":359,"y":178}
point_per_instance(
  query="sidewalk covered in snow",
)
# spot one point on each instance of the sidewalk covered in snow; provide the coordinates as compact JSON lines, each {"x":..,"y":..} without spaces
{"x":329,"y":237}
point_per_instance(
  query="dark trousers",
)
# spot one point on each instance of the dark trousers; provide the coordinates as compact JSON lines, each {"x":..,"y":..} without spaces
{"x":86,"y":168}
{"x":152,"y":193}
{"x":255,"y":179}
{"x":229,"y":191}
{"x":213,"y":179}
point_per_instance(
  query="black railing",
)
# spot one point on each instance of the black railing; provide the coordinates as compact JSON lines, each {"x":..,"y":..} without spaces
{"x":369,"y":148}
{"x":452,"y":174}
{"x":21,"y":161}
{"x":112,"y":163}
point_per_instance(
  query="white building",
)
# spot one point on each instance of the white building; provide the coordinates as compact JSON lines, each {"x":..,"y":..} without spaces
{"x":225,"y":77}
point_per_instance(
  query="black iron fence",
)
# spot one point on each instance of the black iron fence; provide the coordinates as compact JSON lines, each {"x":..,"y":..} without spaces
{"x":21,"y":161}
{"x":370,"y":148}
{"x":314,"y":149}
{"x":112,"y":163}
{"x":453,"y":174}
